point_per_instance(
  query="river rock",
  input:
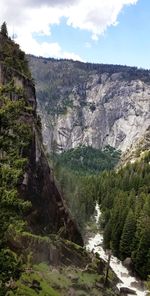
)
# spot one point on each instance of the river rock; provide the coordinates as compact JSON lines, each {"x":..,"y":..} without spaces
{"x":123,"y":274}
{"x":128,"y":263}
{"x":124,"y":290}
{"x":71,"y":292}
{"x":138,"y":285}
{"x":99,"y":285}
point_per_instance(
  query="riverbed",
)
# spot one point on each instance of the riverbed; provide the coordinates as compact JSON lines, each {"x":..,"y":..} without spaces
{"x":95,"y":244}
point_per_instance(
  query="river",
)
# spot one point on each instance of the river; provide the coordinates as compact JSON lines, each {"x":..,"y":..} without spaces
{"x":95,"y":244}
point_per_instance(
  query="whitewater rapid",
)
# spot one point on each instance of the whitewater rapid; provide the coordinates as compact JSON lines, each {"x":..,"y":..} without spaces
{"x":95,"y":244}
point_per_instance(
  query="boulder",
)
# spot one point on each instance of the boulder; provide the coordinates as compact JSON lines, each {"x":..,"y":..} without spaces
{"x":124,"y":290}
{"x":128,"y":263}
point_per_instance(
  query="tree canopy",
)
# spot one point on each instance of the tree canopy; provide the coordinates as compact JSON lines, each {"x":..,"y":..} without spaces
{"x":4,"y":30}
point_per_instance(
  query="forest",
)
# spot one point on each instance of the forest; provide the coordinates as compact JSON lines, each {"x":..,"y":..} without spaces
{"x":15,"y":140}
{"x":124,"y":198}
{"x":88,"y":160}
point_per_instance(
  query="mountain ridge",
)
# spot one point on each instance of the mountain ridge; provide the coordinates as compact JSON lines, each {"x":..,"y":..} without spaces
{"x":91,"y":104}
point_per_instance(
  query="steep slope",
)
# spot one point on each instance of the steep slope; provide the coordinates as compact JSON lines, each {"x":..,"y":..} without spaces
{"x":36,"y":185}
{"x":94,"y":105}
{"x":38,"y":250}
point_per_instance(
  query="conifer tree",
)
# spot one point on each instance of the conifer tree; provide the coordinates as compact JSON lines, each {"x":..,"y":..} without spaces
{"x":3,"y":30}
{"x":127,"y":235}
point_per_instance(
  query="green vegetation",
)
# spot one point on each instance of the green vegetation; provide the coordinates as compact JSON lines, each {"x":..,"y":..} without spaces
{"x":15,"y":138}
{"x":124,"y":197}
{"x":33,"y":283}
{"x":76,"y":171}
{"x":10,"y":53}
{"x":3,"y":30}
{"x":46,"y":280}
{"x":88,"y":160}
{"x":125,"y":200}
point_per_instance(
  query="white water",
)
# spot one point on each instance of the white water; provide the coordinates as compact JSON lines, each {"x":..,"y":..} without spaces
{"x":95,"y":244}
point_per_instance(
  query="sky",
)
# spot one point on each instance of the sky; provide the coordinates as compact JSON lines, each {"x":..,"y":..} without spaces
{"x":99,"y":31}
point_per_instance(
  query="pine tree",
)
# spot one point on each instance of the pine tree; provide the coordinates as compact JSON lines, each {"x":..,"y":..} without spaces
{"x":119,"y":214}
{"x":127,"y":235}
{"x":142,"y":262}
{"x":3,"y":30}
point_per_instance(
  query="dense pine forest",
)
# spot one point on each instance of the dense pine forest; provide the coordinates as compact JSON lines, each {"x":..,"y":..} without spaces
{"x":124,"y":197}
{"x":75,"y":170}
{"x":125,"y":200}
{"x":88,"y":160}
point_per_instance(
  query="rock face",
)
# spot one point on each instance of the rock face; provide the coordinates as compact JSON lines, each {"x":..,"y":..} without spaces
{"x":128,"y":263}
{"x":127,"y":291}
{"x":48,"y":213}
{"x":89,"y":104}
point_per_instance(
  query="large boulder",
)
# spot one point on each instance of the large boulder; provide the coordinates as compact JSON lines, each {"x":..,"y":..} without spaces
{"x":128,"y":263}
{"x":124,"y":290}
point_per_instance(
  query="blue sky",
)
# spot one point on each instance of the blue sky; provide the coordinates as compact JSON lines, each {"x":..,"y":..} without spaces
{"x":116,"y":32}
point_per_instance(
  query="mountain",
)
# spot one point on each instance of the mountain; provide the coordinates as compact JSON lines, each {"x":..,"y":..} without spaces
{"x":41,"y":249}
{"x":89,"y":112}
{"x":91,"y":104}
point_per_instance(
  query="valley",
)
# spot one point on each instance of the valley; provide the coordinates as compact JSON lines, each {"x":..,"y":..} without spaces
{"x":73,"y":136}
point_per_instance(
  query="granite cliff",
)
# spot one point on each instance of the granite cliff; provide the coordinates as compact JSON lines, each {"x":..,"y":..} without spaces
{"x":48,"y":213}
{"x":91,"y":104}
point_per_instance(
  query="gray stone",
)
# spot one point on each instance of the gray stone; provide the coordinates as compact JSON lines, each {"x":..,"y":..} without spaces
{"x":124,"y":290}
{"x":121,"y":115}
{"x":128,"y":263}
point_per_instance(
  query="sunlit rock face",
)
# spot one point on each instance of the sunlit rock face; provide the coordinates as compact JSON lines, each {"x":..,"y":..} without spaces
{"x":108,"y":105}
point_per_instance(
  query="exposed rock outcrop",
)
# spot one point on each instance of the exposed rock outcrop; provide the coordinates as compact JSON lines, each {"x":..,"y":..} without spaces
{"x":48,"y":213}
{"x":89,"y":104}
{"x":127,"y":291}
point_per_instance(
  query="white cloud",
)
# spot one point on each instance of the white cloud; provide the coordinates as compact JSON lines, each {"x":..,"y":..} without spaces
{"x":36,"y":16}
{"x":88,"y":45}
{"x":30,"y":45}
{"x":96,"y":15}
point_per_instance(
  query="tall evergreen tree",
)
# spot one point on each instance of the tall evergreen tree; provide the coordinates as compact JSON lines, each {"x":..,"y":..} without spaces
{"x":3,"y":30}
{"x":142,"y":258}
{"x":127,"y":235}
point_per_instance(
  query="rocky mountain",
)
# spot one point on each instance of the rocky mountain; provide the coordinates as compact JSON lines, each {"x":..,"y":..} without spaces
{"x":36,"y":185}
{"x":91,"y":104}
{"x":41,"y":249}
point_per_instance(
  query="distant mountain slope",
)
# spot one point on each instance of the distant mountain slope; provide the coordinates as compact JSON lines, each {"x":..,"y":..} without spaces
{"x":91,"y":104}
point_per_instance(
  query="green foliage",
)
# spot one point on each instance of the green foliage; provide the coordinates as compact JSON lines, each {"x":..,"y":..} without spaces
{"x":125,"y":202}
{"x":77,"y":172}
{"x":148,"y":285}
{"x":124,"y":197}
{"x":3,"y":30}
{"x":88,"y":160}
{"x":33,"y":284}
{"x":15,"y":139}
{"x":44,"y":280}
{"x":126,"y":242}
{"x":11,"y":267}
{"x":10,"y":53}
